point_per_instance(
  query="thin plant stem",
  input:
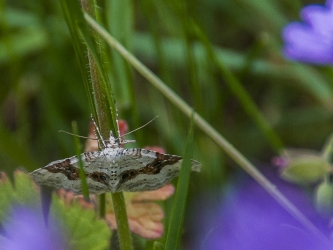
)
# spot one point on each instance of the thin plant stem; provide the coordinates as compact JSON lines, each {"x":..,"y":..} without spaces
{"x":102,"y":108}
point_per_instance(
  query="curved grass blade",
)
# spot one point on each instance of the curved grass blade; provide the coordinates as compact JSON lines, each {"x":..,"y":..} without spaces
{"x":208,"y":130}
{"x":178,"y":210}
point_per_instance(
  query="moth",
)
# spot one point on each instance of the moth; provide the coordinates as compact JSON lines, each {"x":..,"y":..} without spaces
{"x":113,"y":169}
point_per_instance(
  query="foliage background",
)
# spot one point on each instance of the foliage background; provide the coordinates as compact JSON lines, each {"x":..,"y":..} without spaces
{"x":42,"y":90}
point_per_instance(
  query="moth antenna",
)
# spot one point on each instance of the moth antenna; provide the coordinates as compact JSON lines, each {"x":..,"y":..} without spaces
{"x":98,"y":135}
{"x":118,"y":131}
{"x":101,"y":143}
{"x":85,"y":137}
{"x":140,"y":127}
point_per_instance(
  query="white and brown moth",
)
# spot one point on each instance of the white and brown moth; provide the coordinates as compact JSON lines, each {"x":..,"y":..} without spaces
{"x":113,"y":169}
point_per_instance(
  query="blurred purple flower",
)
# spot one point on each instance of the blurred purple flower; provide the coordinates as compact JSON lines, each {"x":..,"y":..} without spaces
{"x":250,"y":219}
{"x":312,"y":40}
{"x":25,"y":229}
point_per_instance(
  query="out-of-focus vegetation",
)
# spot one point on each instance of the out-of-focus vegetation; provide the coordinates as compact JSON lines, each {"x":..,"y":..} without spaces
{"x":42,"y":89}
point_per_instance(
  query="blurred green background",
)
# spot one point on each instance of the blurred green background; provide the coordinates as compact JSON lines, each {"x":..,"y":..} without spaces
{"x":42,"y":90}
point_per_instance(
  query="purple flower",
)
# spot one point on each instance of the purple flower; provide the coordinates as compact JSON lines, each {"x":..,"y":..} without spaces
{"x":25,"y":229}
{"x":250,"y":219}
{"x":312,"y":40}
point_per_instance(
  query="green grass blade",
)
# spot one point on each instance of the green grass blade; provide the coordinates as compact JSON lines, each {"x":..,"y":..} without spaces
{"x":84,"y":185}
{"x":119,"y":21}
{"x":99,"y":88}
{"x":178,"y":210}
{"x":103,"y":104}
{"x":240,"y":92}
{"x":71,"y":11}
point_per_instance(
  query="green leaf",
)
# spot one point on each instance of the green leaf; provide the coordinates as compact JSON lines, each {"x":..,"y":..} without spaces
{"x":24,"y":192}
{"x":86,"y":232}
{"x":178,"y":210}
{"x":80,"y":225}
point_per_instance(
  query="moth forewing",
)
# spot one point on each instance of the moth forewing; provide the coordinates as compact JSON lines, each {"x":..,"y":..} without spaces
{"x":113,"y":169}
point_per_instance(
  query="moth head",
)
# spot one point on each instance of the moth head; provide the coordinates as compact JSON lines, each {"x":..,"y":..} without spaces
{"x":116,"y":142}
{"x":112,"y":142}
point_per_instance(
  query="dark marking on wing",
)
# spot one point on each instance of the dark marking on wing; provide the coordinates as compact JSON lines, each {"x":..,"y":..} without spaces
{"x":152,"y":168}
{"x":72,"y":173}
{"x":138,"y":153}
{"x":89,"y":156}
{"x":65,"y":167}
{"x":99,"y":177}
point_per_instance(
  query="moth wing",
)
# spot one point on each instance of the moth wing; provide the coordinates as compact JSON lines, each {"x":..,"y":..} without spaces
{"x":144,"y":170}
{"x":65,"y":173}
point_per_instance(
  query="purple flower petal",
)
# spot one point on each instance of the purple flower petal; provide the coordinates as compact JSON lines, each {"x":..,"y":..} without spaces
{"x":329,"y":4}
{"x":26,"y":230}
{"x":320,"y":18}
{"x":311,"y":41}
{"x":249,"y":219}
